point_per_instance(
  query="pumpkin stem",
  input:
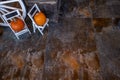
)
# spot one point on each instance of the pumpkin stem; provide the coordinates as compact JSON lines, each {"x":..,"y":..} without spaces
{"x":14,"y":19}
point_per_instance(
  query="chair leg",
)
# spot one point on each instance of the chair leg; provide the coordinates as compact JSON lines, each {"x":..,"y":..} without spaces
{"x":34,"y":28}
{"x":29,"y":31}
{"x":40,"y":31}
{"x":17,"y":37}
{"x":47,"y":25}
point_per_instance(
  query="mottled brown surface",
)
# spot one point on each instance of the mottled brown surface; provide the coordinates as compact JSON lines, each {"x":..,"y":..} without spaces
{"x":83,"y":45}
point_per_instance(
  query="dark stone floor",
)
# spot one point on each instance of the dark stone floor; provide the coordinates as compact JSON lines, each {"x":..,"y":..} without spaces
{"x":83,"y":45}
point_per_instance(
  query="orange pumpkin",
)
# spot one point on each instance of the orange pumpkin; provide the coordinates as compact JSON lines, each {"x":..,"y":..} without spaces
{"x":17,"y":24}
{"x":40,"y":18}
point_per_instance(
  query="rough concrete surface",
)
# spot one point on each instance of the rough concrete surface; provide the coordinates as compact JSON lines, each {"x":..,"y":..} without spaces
{"x":82,"y":45}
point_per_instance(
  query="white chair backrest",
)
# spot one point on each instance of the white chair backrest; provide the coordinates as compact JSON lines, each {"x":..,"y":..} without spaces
{"x":33,"y":11}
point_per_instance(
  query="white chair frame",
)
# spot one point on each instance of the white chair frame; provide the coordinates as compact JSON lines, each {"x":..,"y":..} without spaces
{"x":5,"y":8}
{"x":9,"y":16}
{"x":31,"y":14}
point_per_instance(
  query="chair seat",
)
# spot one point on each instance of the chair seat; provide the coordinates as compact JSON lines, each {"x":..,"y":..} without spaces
{"x":44,"y":24}
{"x":22,"y":32}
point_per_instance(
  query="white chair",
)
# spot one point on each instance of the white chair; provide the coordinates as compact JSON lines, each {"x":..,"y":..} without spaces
{"x":8,"y":6}
{"x":10,"y":16}
{"x":31,"y":14}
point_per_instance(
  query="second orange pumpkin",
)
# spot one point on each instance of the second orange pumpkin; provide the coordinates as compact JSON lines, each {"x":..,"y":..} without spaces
{"x":40,"y":18}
